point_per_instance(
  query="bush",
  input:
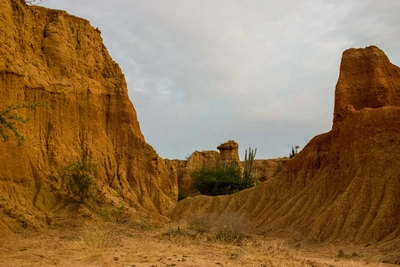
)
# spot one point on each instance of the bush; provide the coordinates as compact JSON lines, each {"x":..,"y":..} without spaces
{"x":78,"y":180}
{"x":218,"y":181}
{"x":226,"y":180}
{"x":9,"y":117}
{"x":97,"y":236}
{"x":181,"y":195}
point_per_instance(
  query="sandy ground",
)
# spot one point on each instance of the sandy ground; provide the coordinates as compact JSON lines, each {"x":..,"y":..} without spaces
{"x":132,"y":245}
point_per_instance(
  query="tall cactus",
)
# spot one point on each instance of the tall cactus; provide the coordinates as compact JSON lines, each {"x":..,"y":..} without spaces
{"x":248,"y":166}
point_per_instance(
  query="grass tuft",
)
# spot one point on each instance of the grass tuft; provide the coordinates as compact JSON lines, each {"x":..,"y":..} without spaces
{"x":94,"y":237}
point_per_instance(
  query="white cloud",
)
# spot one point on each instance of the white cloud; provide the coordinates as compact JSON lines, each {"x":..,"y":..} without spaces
{"x":260,"y":72}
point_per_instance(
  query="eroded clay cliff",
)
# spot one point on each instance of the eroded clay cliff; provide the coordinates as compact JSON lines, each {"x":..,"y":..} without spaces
{"x":345,"y":184}
{"x":265,"y":169}
{"x":52,"y":57}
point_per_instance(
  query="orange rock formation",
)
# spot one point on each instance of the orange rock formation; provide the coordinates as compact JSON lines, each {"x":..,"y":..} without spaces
{"x":229,"y":151}
{"x":344,"y":185}
{"x":53,"y":57}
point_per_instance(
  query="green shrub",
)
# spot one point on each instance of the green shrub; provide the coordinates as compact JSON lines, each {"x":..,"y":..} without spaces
{"x":78,"y":180}
{"x":225,"y":180}
{"x":9,"y":117}
{"x":219,"y":180}
{"x":181,"y":195}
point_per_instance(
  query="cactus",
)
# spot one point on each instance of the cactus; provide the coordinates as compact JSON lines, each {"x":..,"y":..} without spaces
{"x":248,"y":166}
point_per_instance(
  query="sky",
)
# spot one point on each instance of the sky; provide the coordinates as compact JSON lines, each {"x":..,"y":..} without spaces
{"x":260,"y":72}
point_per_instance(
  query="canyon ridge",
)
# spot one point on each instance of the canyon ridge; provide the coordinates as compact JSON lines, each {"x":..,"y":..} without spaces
{"x":343,"y":186}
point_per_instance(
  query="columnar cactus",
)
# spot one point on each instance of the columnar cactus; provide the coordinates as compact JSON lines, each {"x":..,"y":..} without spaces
{"x":248,"y":166}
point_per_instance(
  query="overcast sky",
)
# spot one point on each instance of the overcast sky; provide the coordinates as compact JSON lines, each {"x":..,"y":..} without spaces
{"x":260,"y":72}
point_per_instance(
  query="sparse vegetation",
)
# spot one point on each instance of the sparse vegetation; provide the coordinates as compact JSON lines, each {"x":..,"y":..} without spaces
{"x":219,"y":180}
{"x":9,"y":117}
{"x":199,"y":223}
{"x":230,"y":228}
{"x":294,"y":151}
{"x":99,"y":236}
{"x":249,"y":178}
{"x":146,"y":223}
{"x":77,"y":177}
{"x":225,"y":180}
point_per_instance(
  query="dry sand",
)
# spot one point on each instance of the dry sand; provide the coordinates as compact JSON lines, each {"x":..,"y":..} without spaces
{"x":173,"y":244}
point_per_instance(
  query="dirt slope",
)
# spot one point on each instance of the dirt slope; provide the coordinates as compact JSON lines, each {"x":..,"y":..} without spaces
{"x":345,"y":184}
{"x":53,"y":57}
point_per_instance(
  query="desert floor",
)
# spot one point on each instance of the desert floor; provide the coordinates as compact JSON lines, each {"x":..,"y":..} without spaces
{"x":171,"y":244}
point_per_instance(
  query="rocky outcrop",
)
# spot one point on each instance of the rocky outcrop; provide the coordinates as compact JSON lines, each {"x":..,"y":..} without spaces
{"x":229,"y":151}
{"x":369,"y":81}
{"x":52,"y":57}
{"x":344,"y":185}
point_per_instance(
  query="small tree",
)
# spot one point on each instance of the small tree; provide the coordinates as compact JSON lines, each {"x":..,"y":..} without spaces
{"x":294,"y":151}
{"x":9,"y":117}
{"x":78,"y":179}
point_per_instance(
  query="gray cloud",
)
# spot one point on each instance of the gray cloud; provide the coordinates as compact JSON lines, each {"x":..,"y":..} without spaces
{"x":260,"y":72}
